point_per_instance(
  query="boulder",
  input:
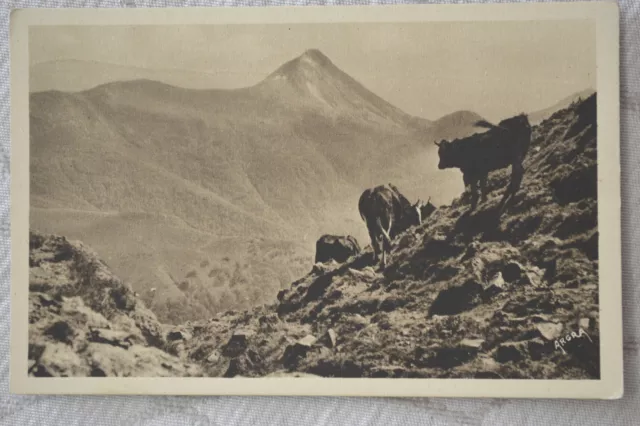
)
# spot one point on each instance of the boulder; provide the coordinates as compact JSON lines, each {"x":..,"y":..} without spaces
{"x":237,"y":344}
{"x":299,"y":349}
{"x":550,"y":331}
{"x":335,"y":247}
{"x":61,"y":331}
{"x":268,"y":320}
{"x":110,"y":337}
{"x":330,"y":338}
{"x":538,"y":348}
{"x":509,"y":352}
{"x":512,"y":271}
{"x":445,"y":357}
{"x":178,"y":335}
{"x":457,"y":299}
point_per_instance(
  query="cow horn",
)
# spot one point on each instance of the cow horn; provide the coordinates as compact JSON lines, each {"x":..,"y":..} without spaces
{"x":437,"y":143}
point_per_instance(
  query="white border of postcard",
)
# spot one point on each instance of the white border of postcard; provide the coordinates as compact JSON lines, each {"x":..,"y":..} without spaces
{"x":609,"y":386}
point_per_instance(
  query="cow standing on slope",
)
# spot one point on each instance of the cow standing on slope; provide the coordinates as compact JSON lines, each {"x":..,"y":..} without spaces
{"x":502,"y":146}
{"x":387,"y":213}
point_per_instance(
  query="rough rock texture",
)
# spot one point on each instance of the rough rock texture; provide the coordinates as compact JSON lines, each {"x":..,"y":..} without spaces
{"x":466,"y":295}
{"x":84,"y":321}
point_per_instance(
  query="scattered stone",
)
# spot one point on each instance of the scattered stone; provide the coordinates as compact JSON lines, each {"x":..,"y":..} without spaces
{"x":97,"y":372}
{"x":585,"y":323}
{"x":533,"y":277}
{"x":110,"y":337}
{"x":307,"y":341}
{"x":213,"y":357}
{"x":337,"y":368}
{"x":512,"y":271}
{"x":497,"y":281}
{"x":359,"y":321}
{"x":445,"y":357}
{"x":281,"y":294}
{"x":539,"y":318}
{"x":60,"y":360}
{"x":538,"y":348}
{"x":270,"y":319}
{"x":499,"y":317}
{"x":549,"y":331}
{"x":178,"y":335}
{"x":495,"y":286}
{"x":392,"y":303}
{"x":458,"y":299}
{"x":330,"y":338}
{"x":47,"y":300}
{"x":471,"y":343}
{"x":509,"y":352}
{"x":293,"y":353}
{"x":237,"y":344}
{"x":61,"y":331}
{"x":389,"y":371}
{"x":237,"y":366}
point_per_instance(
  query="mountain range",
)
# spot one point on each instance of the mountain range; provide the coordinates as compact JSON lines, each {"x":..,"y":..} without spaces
{"x":161,"y":179}
{"x":485,"y":294}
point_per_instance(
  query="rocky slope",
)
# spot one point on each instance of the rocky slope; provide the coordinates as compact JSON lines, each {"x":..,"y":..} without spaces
{"x":481,"y":294}
{"x":84,"y":321}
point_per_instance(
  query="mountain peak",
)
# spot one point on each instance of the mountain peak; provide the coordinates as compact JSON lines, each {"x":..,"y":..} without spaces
{"x":310,"y":63}
{"x":314,"y":56}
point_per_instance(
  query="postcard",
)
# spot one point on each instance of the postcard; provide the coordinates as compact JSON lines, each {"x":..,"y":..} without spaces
{"x":400,"y":201}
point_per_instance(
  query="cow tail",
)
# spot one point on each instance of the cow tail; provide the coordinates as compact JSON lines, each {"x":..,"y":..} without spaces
{"x":485,"y":124}
{"x":385,"y":234}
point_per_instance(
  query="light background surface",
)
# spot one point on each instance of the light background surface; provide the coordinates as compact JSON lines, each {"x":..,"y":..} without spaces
{"x":142,"y":410}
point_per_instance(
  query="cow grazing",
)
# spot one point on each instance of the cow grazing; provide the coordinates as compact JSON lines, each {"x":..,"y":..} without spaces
{"x":387,"y":213}
{"x":501,"y":146}
{"x":334,"y":247}
{"x":426,"y":209}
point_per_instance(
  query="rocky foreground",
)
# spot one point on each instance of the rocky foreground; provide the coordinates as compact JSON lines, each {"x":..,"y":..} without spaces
{"x":481,"y":294}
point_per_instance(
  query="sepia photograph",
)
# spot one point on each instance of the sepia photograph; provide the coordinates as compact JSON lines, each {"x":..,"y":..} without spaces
{"x":318,"y":198}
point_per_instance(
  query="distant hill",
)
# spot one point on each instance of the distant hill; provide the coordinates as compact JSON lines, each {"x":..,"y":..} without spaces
{"x":151,"y":175}
{"x":71,"y":75}
{"x":537,"y":117}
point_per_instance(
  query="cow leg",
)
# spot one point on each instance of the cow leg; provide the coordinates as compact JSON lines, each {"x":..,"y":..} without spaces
{"x":374,"y":241}
{"x":385,"y":240}
{"x":483,"y":189}
{"x":517,"y":172}
{"x":474,"y":194}
{"x":471,"y":180}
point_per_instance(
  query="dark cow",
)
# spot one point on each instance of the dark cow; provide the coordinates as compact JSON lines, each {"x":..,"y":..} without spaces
{"x":426,"y":209}
{"x":334,"y":247}
{"x":387,"y":213}
{"x":502,"y":146}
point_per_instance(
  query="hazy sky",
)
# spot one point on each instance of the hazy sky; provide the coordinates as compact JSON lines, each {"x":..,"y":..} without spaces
{"x":494,"y":68}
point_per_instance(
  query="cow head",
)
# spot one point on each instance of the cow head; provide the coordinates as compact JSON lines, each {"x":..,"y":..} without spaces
{"x":426,"y":208}
{"x":519,"y":125}
{"x":446,"y":154}
{"x":414,"y":214}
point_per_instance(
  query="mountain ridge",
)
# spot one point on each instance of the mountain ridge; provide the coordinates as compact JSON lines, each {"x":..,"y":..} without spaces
{"x":207,"y":157}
